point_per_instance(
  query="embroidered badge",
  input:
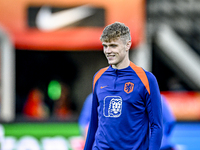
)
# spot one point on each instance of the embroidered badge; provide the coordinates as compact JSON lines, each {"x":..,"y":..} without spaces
{"x":128,"y":87}
{"x":112,"y":106}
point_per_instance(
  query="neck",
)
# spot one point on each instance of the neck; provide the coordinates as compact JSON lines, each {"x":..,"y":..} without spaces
{"x":122,"y":65}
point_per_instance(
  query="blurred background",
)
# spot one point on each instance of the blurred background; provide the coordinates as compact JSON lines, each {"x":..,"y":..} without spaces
{"x":50,"y":50}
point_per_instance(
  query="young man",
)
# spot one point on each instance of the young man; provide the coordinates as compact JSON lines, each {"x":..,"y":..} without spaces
{"x":126,"y":110}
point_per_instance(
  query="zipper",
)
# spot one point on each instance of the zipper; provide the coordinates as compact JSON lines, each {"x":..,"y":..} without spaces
{"x":116,"y":73}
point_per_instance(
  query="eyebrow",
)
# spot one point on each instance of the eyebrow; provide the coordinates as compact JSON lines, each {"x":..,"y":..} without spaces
{"x":112,"y":44}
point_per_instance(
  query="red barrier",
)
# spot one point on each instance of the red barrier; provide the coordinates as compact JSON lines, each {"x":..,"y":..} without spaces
{"x":185,"y":105}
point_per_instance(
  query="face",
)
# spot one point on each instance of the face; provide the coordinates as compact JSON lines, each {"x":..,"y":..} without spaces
{"x":116,"y":53}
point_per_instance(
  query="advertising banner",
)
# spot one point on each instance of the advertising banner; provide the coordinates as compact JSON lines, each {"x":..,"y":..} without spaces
{"x":41,"y":136}
{"x":68,"y":25}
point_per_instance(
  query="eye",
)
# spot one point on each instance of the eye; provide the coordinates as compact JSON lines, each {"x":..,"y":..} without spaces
{"x":105,"y":46}
{"x":113,"y":45}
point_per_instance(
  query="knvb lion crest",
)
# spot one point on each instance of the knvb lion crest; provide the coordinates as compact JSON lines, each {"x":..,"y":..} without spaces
{"x":112,"y":106}
{"x":128,"y":87}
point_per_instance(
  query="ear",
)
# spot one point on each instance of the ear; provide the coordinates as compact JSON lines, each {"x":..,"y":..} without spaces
{"x":128,"y":45}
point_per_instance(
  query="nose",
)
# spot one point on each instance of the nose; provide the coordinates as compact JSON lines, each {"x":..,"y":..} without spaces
{"x":107,"y":50}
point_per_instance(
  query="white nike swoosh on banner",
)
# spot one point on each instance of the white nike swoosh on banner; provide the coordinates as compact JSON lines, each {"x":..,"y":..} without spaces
{"x":47,"y":21}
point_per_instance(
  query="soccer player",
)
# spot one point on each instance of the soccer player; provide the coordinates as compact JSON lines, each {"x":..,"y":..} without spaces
{"x":126,"y":106}
{"x":169,"y":122}
{"x":84,"y":118}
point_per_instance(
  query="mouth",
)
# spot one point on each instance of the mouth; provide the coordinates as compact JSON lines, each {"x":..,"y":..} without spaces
{"x":110,"y":57}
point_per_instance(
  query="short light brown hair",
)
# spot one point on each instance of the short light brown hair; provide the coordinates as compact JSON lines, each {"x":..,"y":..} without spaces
{"x":115,"y":31}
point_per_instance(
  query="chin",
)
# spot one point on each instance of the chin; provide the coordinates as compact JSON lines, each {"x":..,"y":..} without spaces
{"x":110,"y":63}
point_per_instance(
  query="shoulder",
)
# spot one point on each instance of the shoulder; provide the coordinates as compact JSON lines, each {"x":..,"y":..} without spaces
{"x":151,"y":77}
{"x":98,"y":75}
{"x":146,"y":77}
{"x":100,"y":72}
{"x":142,"y":74}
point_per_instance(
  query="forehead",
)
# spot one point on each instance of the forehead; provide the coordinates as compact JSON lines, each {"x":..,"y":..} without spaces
{"x":117,"y":41}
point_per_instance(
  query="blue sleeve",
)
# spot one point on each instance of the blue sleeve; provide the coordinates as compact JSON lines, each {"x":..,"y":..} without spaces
{"x":168,"y":122}
{"x":154,"y":109}
{"x":85,"y":114}
{"x":168,"y":117}
{"x":93,"y":124}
